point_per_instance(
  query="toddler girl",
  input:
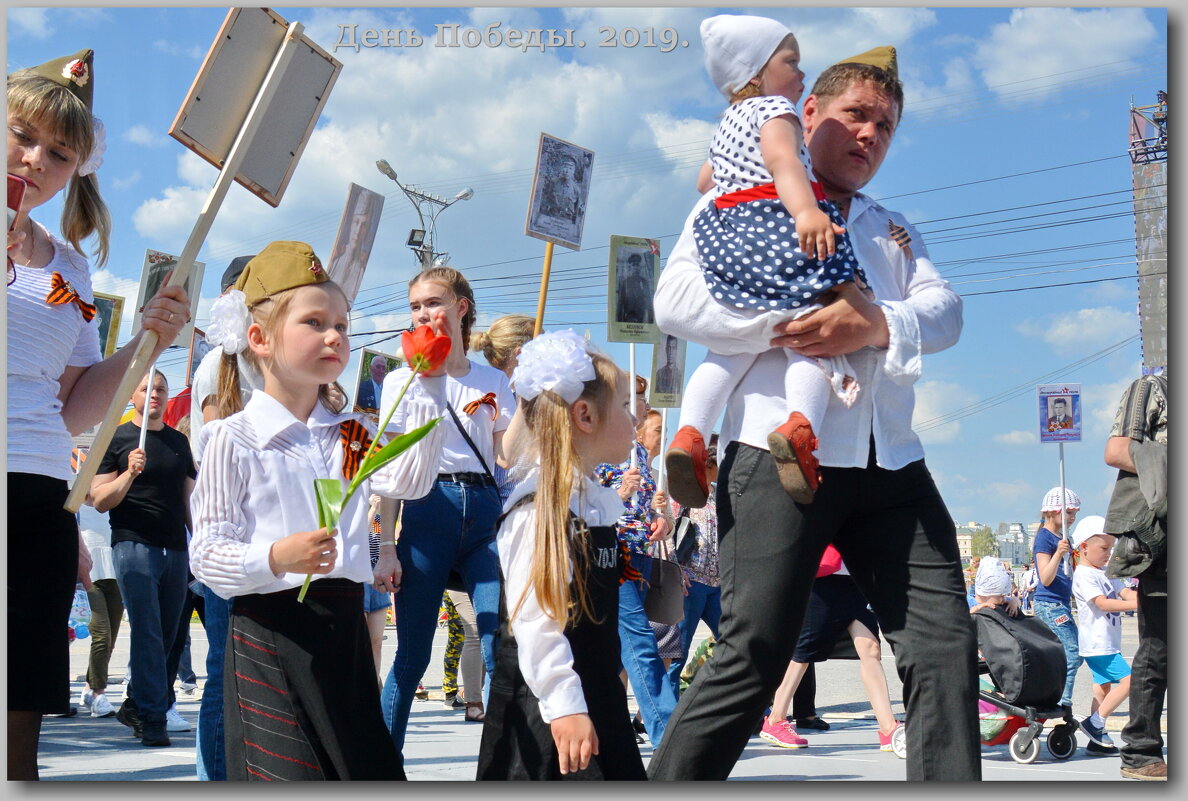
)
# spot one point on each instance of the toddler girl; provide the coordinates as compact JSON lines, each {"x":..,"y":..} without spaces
{"x":770,"y":242}
{"x":557,"y":708}
{"x":301,"y":700}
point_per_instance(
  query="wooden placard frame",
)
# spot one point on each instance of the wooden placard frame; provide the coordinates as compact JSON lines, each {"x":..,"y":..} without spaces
{"x":225,"y":87}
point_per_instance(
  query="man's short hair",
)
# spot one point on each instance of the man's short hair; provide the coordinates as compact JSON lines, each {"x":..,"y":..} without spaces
{"x":1060,"y":400}
{"x":835,"y":80}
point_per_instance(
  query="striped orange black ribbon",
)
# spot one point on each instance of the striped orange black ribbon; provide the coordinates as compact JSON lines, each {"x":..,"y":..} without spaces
{"x":61,"y":292}
{"x":629,"y":572}
{"x":485,"y":400}
{"x":901,"y":237}
{"x":355,"y":443}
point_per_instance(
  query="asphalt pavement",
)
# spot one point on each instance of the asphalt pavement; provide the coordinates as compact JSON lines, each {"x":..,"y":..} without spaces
{"x":442,"y":746}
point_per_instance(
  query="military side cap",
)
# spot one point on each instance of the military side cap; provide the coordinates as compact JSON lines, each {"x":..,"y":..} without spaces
{"x":76,"y":73}
{"x":881,"y":57}
{"x":280,"y":266}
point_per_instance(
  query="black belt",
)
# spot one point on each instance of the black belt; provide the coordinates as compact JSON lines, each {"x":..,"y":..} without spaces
{"x":467,"y":478}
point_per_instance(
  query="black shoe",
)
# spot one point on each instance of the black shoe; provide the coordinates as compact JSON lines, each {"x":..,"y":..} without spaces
{"x":639,"y":738}
{"x":814,"y":722}
{"x":1101,"y":750}
{"x":154,"y":735}
{"x":128,"y":715}
{"x":638,"y":726}
{"x":69,"y":713}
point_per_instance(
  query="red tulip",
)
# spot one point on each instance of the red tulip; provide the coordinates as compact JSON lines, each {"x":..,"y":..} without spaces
{"x":424,"y":350}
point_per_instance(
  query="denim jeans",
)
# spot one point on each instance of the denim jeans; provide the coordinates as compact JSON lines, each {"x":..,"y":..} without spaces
{"x":153,"y":586}
{"x":212,"y":753}
{"x":1059,"y":619}
{"x":453,"y":527}
{"x":640,"y":654}
{"x":898,"y":541}
{"x":702,"y":603}
{"x":1143,"y":738}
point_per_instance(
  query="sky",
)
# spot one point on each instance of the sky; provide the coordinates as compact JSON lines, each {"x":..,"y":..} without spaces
{"x":1011,"y":160}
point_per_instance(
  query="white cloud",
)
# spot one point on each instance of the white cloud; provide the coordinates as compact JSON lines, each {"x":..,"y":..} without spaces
{"x":141,"y":135}
{"x":1011,"y":494}
{"x":1065,"y":42}
{"x":1017,"y":438}
{"x":31,"y":22}
{"x":1075,"y":332}
{"x":127,"y":181}
{"x":172,"y":49}
{"x":935,"y":399}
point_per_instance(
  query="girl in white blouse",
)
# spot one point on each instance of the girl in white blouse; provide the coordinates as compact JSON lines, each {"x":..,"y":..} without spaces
{"x":300,"y":695}
{"x":557,"y":708}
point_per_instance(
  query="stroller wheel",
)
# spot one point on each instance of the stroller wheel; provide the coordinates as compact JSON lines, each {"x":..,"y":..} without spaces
{"x":1062,"y":742}
{"x":899,"y":742}
{"x":1019,"y":753}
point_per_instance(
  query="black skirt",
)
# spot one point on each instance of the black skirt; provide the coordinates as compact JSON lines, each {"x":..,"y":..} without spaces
{"x":517,"y":744}
{"x":301,"y":701}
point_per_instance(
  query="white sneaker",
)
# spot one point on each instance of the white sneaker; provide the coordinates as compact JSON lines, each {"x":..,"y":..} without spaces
{"x":174,"y":721}
{"x":85,"y":698}
{"x":101,"y":707}
{"x":188,"y":687}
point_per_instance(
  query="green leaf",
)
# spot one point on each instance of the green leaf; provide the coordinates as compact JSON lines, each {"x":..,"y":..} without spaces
{"x":328,"y":492}
{"x":387,"y":453}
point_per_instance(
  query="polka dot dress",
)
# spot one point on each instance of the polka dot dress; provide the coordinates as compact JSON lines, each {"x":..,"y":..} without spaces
{"x":749,"y":251}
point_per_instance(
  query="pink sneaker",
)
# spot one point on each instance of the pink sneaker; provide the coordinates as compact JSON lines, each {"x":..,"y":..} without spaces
{"x":782,"y":734}
{"x":885,"y":740}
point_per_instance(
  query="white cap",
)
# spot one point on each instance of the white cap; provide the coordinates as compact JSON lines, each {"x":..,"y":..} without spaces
{"x":992,"y":578}
{"x":1052,"y":500}
{"x":736,"y":48}
{"x":1087,"y":527}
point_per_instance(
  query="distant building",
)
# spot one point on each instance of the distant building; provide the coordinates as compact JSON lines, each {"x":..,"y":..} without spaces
{"x":1014,"y":544}
{"x":965,"y":532}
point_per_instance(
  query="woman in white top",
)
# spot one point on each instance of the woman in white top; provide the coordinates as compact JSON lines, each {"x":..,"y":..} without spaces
{"x":58,"y":383}
{"x":452,"y":529}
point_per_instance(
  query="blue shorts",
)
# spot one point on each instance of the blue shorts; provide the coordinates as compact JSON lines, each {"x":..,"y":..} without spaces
{"x":1107,"y":668}
{"x":374,"y":600}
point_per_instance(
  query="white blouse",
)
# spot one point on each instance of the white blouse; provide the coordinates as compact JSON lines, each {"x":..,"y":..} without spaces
{"x":545,"y":658}
{"x":256,"y":487}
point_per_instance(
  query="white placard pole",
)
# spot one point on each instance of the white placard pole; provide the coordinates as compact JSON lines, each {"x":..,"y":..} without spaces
{"x":1066,"y":563}
{"x":633,"y":407}
{"x":663,"y":482}
{"x":185,"y":262}
{"x":144,"y":412}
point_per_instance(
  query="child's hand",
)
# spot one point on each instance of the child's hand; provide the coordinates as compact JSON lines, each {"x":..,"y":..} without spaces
{"x":576,"y":741}
{"x":304,"y":552}
{"x":817,"y":233}
{"x":1012,"y":605}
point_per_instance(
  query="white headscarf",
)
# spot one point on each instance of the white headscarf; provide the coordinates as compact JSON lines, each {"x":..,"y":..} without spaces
{"x":992,"y":578}
{"x":736,"y":48}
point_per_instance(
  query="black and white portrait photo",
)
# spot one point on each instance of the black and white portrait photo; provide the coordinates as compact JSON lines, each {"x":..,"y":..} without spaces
{"x":668,"y":372}
{"x":560,"y":186}
{"x":356,"y":234}
{"x":632,"y":272}
{"x":157,"y":267}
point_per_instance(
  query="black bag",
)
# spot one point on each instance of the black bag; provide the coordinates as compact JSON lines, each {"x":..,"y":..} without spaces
{"x":665,"y":602}
{"x":685,"y":537}
{"x":1026,"y":659}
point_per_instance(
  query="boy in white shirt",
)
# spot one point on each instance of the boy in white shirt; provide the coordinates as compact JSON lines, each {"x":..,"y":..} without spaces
{"x":1100,"y":602}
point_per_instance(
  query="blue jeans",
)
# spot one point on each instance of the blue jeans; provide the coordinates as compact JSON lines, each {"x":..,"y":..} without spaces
{"x":153,"y":585}
{"x":453,"y":527}
{"x":702,"y":603}
{"x":212,"y":753}
{"x":1066,"y":629}
{"x":641,"y":656}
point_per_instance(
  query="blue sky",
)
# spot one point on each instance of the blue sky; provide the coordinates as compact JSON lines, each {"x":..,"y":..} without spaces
{"x":1012,"y":113}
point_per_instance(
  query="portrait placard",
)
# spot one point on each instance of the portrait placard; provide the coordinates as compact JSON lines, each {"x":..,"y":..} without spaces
{"x":373,"y":367}
{"x":668,"y":372}
{"x":199,"y":347}
{"x":157,"y":266}
{"x":632,"y":273}
{"x":1059,"y":412}
{"x":356,"y":235}
{"x":560,"y":187}
{"x":109,"y":310}
{"x":225,"y":88}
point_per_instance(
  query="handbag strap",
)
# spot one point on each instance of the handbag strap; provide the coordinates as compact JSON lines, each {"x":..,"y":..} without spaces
{"x":469,"y":441}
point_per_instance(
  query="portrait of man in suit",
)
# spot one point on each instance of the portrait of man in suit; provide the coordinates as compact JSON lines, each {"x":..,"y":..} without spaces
{"x":1059,"y":414}
{"x":371,"y":383}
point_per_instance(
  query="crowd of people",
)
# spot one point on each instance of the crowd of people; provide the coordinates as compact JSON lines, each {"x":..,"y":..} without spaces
{"x":531,"y":505}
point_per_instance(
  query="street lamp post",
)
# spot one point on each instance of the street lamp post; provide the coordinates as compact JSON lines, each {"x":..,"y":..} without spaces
{"x":428,"y":206}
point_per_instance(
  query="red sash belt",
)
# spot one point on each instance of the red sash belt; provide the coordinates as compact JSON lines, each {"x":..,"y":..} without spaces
{"x":761,"y":192}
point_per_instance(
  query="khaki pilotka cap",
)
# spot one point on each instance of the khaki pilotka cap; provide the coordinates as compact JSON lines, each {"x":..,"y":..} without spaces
{"x":76,"y":73}
{"x":279,"y":266}
{"x":882,"y":57}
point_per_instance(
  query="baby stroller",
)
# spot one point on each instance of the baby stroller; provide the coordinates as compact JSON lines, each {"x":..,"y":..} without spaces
{"x":1026,"y":666}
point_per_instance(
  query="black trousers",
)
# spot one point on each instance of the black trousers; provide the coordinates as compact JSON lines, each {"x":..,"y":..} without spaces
{"x":899,"y":543}
{"x":1142,"y":739}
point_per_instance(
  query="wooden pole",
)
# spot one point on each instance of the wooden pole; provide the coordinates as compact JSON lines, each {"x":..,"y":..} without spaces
{"x":544,"y":288}
{"x":148,"y":342}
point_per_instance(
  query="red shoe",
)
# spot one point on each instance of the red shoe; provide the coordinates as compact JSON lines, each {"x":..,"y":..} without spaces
{"x":685,"y":465}
{"x":792,"y":446}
